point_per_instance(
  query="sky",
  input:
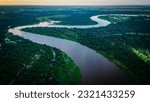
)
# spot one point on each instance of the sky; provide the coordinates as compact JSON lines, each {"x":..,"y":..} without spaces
{"x":74,"y":2}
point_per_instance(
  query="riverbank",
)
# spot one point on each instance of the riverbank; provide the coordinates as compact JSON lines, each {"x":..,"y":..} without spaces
{"x":95,"y":68}
{"x":114,"y":42}
{"x":27,"y":63}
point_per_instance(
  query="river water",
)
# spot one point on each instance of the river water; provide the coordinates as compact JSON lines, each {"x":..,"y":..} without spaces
{"x":95,"y":68}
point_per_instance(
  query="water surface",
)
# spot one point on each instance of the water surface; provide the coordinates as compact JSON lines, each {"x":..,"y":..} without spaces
{"x":95,"y":69}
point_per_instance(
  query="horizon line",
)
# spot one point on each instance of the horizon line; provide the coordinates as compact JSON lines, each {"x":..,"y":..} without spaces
{"x":76,"y":5}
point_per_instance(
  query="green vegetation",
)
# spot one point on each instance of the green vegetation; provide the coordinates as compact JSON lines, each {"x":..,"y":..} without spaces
{"x":143,"y":54}
{"x":116,"y":19}
{"x":56,"y":32}
{"x":125,"y":42}
{"x":116,"y":42}
{"x":23,"y":62}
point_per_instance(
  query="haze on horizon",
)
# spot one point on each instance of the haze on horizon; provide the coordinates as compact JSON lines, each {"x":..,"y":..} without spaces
{"x":74,"y":2}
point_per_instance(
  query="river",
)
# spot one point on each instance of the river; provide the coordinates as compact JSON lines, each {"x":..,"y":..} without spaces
{"x":95,"y":68}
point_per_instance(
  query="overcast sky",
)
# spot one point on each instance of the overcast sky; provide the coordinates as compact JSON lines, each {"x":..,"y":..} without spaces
{"x":74,"y":2}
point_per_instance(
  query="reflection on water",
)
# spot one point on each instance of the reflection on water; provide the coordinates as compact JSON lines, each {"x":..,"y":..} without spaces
{"x":95,"y":69}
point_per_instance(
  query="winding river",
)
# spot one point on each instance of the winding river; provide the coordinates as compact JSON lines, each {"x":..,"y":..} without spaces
{"x":95,"y":68}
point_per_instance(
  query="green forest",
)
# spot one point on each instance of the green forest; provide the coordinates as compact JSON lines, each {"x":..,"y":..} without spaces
{"x":125,"y":42}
